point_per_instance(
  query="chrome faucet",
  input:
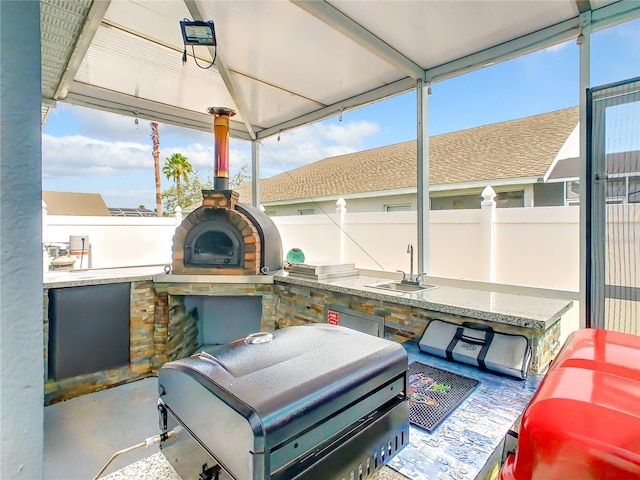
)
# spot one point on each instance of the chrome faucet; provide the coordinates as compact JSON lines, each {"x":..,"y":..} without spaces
{"x":409,"y":279}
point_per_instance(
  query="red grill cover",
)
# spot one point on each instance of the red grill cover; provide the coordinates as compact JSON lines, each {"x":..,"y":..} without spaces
{"x":584,"y":420}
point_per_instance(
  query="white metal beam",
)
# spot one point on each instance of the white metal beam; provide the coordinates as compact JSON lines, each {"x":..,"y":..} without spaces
{"x":337,"y":20}
{"x":194,"y":10}
{"x":89,"y":29}
{"x":615,"y":13}
{"x":255,"y":173}
{"x":108,"y":100}
{"x":424,"y":204}
{"x":356,"y":101}
{"x":547,"y":37}
{"x":601,"y":18}
{"x":583,"y":5}
{"x":604,"y":17}
{"x":585,"y":230}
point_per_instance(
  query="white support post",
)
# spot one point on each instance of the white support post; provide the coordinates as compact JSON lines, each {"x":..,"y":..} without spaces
{"x":423,"y":177}
{"x":178,"y":215}
{"x":255,"y":173}
{"x":341,"y":209}
{"x":21,"y":288}
{"x":528,"y":196}
{"x":487,"y":251}
{"x":585,"y":82}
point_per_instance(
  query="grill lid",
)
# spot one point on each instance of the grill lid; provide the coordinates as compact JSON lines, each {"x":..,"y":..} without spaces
{"x":302,"y":375}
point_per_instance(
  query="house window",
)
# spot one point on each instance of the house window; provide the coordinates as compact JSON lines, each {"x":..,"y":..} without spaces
{"x":398,"y":207}
{"x":510,"y":199}
{"x":616,"y":190}
{"x":634,"y":190}
{"x":307,"y":211}
{"x":572,"y":193}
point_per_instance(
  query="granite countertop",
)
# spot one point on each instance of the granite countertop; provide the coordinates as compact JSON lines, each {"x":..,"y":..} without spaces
{"x":75,"y":278}
{"x":519,"y":310}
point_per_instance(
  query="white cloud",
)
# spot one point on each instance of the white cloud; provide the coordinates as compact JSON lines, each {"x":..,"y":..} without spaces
{"x":351,"y":133}
{"x":122,"y":170}
{"x":312,"y":143}
{"x":559,"y":46}
{"x":77,"y":157}
{"x":111,"y":126}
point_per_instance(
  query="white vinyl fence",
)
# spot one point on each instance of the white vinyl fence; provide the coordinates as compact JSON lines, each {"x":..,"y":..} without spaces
{"x":114,"y":241}
{"x":520,"y":246}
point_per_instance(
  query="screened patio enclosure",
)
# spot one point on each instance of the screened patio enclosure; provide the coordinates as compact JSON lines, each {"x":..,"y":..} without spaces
{"x":284,"y":64}
{"x":279,"y":64}
{"x":614,"y":206}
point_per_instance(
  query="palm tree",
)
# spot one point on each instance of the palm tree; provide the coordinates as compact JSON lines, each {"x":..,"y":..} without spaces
{"x":177,"y":167}
{"x":156,"y":163}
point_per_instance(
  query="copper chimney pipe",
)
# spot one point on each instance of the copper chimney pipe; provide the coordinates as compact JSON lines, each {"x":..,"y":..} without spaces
{"x":221,"y":132}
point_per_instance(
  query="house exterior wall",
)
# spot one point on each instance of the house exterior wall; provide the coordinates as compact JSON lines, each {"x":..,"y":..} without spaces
{"x":509,"y":196}
{"x":548,"y":194}
{"x":355,"y":205}
{"x":21,"y":371}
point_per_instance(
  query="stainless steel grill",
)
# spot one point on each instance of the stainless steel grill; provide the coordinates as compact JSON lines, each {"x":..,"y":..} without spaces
{"x":315,"y":401}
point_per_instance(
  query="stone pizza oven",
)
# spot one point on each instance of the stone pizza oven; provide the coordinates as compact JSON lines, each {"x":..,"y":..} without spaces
{"x":224,"y":237}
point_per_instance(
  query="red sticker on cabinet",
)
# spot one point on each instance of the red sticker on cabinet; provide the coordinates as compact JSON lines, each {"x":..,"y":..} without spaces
{"x":333,"y":317}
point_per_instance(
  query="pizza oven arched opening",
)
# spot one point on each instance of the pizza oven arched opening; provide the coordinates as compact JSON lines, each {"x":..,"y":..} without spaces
{"x":214,"y":243}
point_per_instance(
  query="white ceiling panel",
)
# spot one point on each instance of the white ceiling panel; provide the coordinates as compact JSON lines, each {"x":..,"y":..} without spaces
{"x":269,"y":106}
{"x":260,"y":39}
{"x":433,"y":33}
{"x":151,"y":19}
{"x":288,"y":63}
{"x":128,"y":64}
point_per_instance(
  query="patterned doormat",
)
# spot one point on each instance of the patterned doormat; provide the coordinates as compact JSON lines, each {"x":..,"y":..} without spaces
{"x":435,"y":393}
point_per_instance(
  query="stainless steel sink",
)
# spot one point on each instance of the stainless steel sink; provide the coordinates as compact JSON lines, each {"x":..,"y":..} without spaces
{"x":396,"y":286}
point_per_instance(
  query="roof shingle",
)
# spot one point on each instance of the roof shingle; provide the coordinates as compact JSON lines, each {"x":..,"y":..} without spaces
{"x":519,"y":148}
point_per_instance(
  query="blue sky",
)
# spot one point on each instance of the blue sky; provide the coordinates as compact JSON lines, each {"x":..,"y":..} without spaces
{"x":91,"y":151}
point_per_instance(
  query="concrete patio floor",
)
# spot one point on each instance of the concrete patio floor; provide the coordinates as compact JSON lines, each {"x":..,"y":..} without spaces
{"x":82,"y":433}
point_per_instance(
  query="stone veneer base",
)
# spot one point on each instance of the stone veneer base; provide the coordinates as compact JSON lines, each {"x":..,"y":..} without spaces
{"x":298,"y":304}
{"x":141,"y":350}
{"x":161,"y":329}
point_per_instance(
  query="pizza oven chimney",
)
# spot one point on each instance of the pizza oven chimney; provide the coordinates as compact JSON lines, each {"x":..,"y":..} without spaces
{"x":221,"y":132}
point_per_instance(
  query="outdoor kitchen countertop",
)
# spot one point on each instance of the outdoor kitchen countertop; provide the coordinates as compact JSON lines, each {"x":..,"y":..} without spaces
{"x":76,"y":278}
{"x":518,"y":310}
{"x":97,"y":276}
